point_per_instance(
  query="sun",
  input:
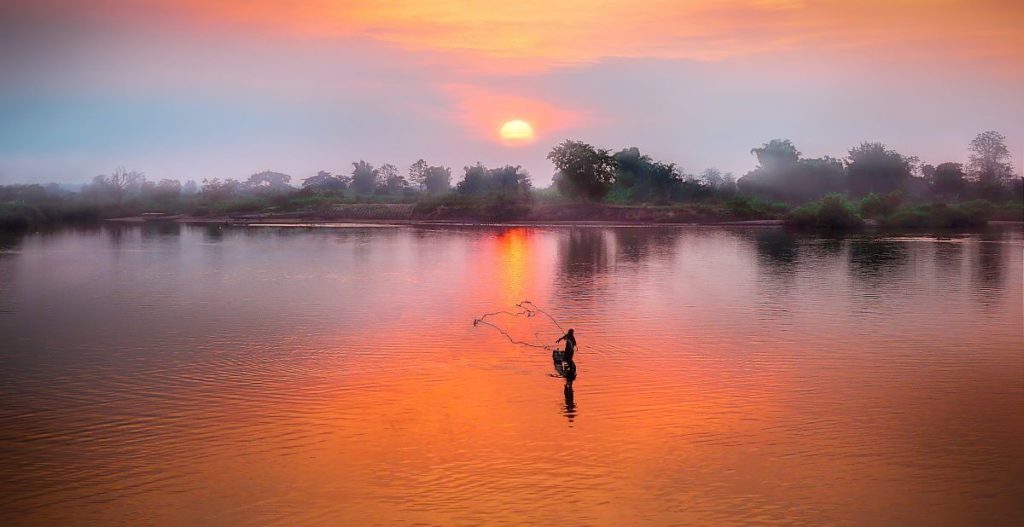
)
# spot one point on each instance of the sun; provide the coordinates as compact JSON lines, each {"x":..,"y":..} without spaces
{"x":516,"y":130}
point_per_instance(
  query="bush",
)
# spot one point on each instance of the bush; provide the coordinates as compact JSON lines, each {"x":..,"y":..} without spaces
{"x":832,"y":212}
{"x":1009,"y":211}
{"x":872,"y":206}
{"x":941,"y":216}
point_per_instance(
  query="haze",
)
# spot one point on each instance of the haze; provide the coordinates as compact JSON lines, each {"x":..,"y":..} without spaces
{"x":190,"y":90}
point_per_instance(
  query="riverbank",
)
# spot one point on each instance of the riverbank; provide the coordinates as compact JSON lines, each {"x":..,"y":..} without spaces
{"x":576,"y":214}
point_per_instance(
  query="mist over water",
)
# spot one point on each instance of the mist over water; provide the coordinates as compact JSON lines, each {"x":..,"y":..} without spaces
{"x":180,"y":375}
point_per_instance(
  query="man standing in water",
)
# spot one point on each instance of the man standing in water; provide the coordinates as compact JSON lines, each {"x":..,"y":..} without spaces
{"x":570,"y":348}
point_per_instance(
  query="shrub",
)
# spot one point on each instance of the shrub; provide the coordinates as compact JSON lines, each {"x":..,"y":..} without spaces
{"x":832,"y":212}
{"x":941,"y":216}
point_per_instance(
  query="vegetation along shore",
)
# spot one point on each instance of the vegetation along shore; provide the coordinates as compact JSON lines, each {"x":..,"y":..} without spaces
{"x":872,"y":185}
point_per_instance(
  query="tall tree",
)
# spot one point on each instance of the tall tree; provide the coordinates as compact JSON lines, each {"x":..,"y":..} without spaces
{"x":437,"y":179}
{"x":583,"y":171}
{"x":389,"y":181}
{"x":948,"y":180}
{"x":776,"y":154}
{"x":364,"y":177}
{"x":418,"y":174}
{"x":990,"y":160}
{"x":118,"y":185}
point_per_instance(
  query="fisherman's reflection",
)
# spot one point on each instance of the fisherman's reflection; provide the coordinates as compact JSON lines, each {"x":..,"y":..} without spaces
{"x":570,"y":402}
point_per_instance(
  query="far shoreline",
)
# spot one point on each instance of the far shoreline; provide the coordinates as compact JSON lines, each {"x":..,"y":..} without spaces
{"x":313,"y":221}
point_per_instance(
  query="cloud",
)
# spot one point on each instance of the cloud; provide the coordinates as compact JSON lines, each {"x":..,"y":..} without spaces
{"x":530,"y":35}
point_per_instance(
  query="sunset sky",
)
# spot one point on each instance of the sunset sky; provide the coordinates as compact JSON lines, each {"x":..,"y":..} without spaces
{"x":189,"y":89}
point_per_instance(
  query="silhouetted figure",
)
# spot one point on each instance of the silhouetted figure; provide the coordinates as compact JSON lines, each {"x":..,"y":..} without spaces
{"x":570,"y":349}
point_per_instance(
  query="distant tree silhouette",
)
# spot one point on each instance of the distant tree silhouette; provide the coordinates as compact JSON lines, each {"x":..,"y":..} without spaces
{"x":118,"y":185}
{"x":418,"y":174}
{"x":190,"y":188}
{"x":216,"y":190}
{"x":165,"y":190}
{"x":268,"y":182}
{"x":585,"y":172}
{"x":389,"y":181}
{"x":782,"y":175}
{"x":507,"y":180}
{"x":437,"y":179}
{"x":643,"y":178}
{"x":716,"y":180}
{"x":776,"y":154}
{"x":948,"y":180}
{"x":990,"y":161}
{"x":364,"y":177}
{"x":324,"y":181}
{"x":871,"y":167}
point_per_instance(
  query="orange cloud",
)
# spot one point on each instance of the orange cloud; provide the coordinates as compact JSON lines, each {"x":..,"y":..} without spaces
{"x":538,"y":34}
{"x":483,"y":112}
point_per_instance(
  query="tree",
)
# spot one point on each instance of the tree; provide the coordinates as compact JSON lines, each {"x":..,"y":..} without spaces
{"x":718,"y":181}
{"x":324,"y":181}
{"x":216,"y":190}
{"x":948,"y":180}
{"x":268,"y":182}
{"x":418,"y":174}
{"x":643,"y":178}
{"x":782,"y":175}
{"x":389,"y":181}
{"x":871,"y":167}
{"x":585,"y":172}
{"x":438,"y":179}
{"x":190,"y":188}
{"x":364,"y":177}
{"x":776,"y":154}
{"x":990,"y":161}
{"x":511,"y":181}
{"x":116,"y":186}
{"x":165,"y":190}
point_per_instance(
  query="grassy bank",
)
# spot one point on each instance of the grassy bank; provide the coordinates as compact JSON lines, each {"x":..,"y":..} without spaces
{"x":832,"y":212}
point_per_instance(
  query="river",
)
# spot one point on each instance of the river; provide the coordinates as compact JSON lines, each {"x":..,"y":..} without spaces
{"x":206,"y":375}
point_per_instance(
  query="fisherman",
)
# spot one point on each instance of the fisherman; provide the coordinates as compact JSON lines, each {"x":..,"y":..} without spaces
{"x":570,"y":348}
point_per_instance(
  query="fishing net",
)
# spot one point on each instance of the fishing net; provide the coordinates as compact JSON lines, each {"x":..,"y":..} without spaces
{"x":528,"y":325}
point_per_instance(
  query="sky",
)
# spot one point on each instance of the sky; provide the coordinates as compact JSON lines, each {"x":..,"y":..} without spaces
{"x":190,"y":89}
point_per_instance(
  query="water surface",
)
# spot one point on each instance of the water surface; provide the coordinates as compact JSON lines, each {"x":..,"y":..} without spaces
{"x":177,"y":375}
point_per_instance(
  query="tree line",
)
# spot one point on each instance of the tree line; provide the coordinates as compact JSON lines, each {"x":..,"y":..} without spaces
{"x":588,"y":173}
{"x":595,"y":174}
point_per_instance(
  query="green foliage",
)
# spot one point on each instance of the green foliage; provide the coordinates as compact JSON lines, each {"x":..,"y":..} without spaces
{"x":872,"y":167}
{"x":1009,"y":211}
{"x":874,"y":206}
{"x":990,"y":160}
{"x":509,"y":180}
{"x":749,"y":208}
{"x":619,"y":195}
{"x":645,"y":178}
{"x":832,"y":212}
{"x":782,"y":175}
{"x":583,"y":171}
{"x":941,"y":216}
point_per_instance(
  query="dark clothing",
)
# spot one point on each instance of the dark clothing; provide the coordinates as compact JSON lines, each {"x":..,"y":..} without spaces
{"x":570,"y":346}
